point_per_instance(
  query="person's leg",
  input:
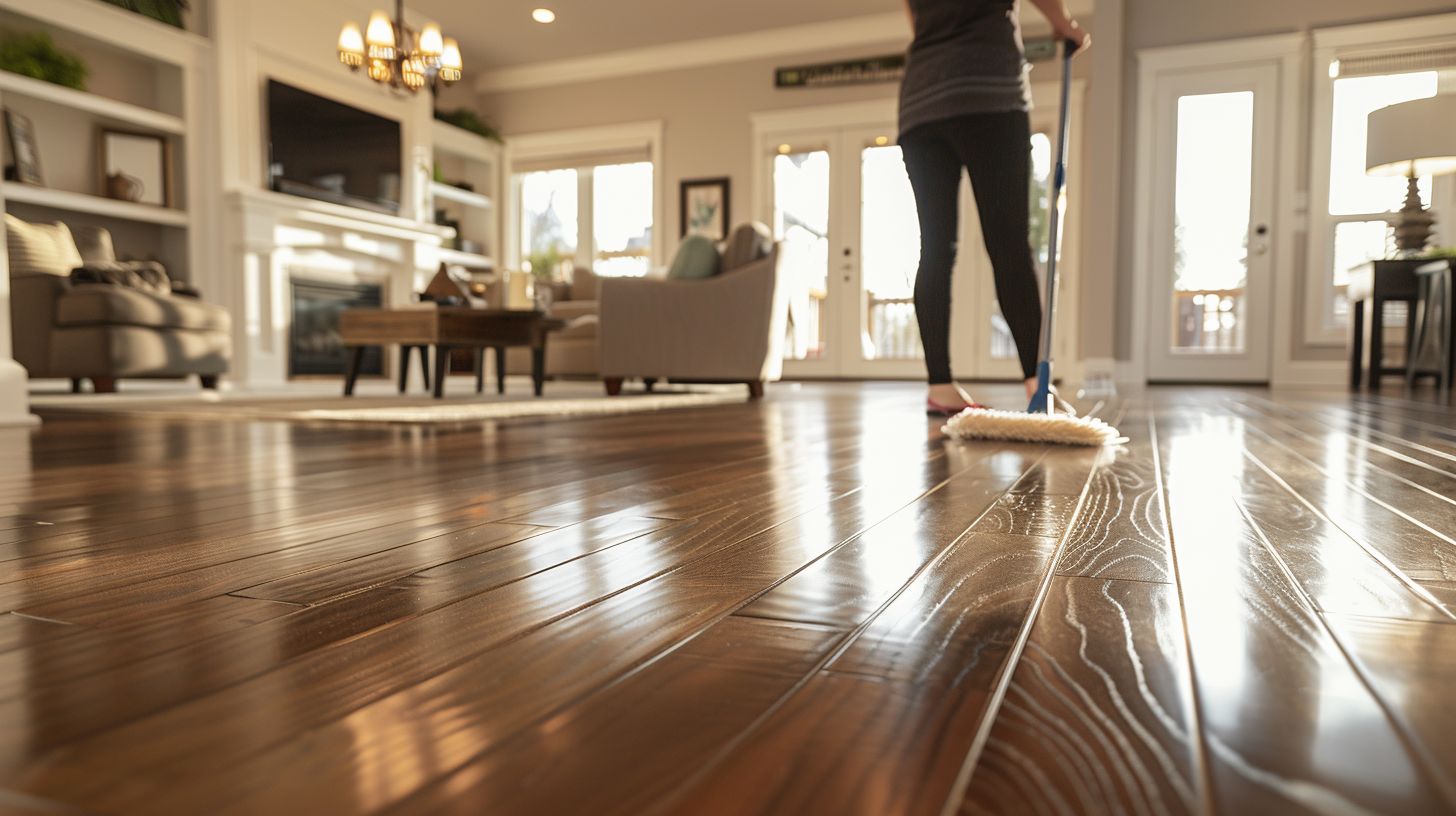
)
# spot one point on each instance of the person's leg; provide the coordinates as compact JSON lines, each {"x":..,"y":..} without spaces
{"x":935,"y":175}
{"x":997,"y":152}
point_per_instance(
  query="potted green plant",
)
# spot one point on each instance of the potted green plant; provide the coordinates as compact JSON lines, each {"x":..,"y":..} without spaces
{"x":36,"y":55}
{"x":467,"y":119}
{"x":167,"y":11}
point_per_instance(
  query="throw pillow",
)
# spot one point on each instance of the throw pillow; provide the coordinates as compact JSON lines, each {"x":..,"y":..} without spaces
{"x":40,"y":249}
{"x":95,"y":245}
{"x":748,"y":243}
{"x":148,"y":276}
{"x":696,"y":259}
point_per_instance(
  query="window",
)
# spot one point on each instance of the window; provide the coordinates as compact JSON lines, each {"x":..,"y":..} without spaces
{"x":549,"y":224}
{"x":606,"y":209}
{"x":1360,"y":228}
{"x":586,"y":198}
{"x":622,"y":219}
{"x":1351,"y":215}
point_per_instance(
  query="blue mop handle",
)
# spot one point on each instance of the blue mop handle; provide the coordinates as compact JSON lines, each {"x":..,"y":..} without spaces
{"x":1042,"y":400}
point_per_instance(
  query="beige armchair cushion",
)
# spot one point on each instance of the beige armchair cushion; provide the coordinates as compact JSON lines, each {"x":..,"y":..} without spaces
{"x":32,"y":315}
{"x":94,"y":244}
{"x":748,"y":243}
{"x":572,"y":309}
{"x":40,"y":249}
{"x":727,"y":328}
{"x":103,"y":304}
{"x":136,"y":351}
{"x":583,"y":284}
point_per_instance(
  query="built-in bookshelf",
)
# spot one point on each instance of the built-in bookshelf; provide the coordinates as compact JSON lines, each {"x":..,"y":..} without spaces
{"x":142,"y":81}
{"x":464,"y":157}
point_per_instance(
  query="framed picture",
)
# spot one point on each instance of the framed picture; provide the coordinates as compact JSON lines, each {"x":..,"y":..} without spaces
{"x":136,"y":167}
{"x":20,"y":132}
{"x":704,"y":207}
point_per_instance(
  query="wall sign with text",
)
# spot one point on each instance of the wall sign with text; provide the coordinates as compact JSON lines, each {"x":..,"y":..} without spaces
{"x":849,"y":72}
{"x":878,"y":69}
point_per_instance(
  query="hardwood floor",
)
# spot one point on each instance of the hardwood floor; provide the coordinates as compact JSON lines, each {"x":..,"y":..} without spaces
{"x":809,"y":604}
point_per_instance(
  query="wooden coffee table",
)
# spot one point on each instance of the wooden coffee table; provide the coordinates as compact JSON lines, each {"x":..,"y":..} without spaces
{"x":448,"y":328}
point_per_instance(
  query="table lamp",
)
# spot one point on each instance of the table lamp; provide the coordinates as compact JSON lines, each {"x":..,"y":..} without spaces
{"x":1413,"y":139}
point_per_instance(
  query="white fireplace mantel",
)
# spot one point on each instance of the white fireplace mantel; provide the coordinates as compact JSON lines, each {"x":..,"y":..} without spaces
{"x":275,"y":238}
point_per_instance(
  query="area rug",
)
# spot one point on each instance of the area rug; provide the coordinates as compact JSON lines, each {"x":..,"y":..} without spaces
{"x":418,"y":410}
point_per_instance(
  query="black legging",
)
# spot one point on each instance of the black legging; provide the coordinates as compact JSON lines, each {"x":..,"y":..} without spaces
{"x":996,"y":149}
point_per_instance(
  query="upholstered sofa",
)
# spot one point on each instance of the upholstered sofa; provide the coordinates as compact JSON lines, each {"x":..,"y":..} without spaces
{"x":572,"y":351}
{"x":727,"y":328}
{"x":79,"y":313}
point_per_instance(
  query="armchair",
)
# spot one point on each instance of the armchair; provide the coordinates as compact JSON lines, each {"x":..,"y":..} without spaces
{"x":727,"y":328}
{"x":113,"y":322}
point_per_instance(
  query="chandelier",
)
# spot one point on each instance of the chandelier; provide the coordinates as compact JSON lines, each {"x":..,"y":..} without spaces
{"x":393,"y":54}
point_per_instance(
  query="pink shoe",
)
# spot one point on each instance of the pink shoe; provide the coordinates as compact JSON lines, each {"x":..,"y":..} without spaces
{"x":933,"y":408}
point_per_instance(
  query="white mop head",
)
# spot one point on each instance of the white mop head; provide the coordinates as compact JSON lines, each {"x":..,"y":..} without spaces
{"x":1018,"y":426}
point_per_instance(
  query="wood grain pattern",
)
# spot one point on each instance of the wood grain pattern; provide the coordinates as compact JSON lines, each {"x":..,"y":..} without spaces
{"x":809,"y":604}
{"x":1099,"y":715}
{"x":1122,"y":532}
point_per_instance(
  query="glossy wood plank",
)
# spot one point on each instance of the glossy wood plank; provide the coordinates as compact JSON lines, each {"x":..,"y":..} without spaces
{"x":72,"y":656}
{"x":1410,"y":664}
{"x":403,"y":669}
{"x":1122,"y":531}
{"x":1276,"y":695}
{"x":1329,"y":566}
{"x":380,"y":567}
{"x":621,"y":750}
{"x":18,"y":631}
{"x":1418,"y":551}
{"x":887,"y":725}
{"x":1099,"y":715}
{"x":62,"y":710}
{"x":849,"y":584}
{"x":812,"y":603}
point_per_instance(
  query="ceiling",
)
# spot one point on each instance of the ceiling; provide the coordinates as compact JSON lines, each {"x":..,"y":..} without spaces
{"x":500,"y":33}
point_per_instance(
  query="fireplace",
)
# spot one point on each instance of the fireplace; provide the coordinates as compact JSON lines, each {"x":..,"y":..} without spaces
{"x":313,"y":342}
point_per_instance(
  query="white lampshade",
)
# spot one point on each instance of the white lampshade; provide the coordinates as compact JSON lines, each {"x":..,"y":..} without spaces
{"x":381,"y":31}
{"x":351,"y":39}
{"x":432,"y":42}
{"x":450,"y":56}
{"x":1413,"y":138}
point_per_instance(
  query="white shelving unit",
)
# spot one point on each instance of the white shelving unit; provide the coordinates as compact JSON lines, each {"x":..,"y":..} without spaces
{"x":449,"y":192}
{"x":106,"y":111}
{"x":66,"y":201}
{"x":469,"y":260}
{"x":146,"y":77}
{"x":462,"y":156}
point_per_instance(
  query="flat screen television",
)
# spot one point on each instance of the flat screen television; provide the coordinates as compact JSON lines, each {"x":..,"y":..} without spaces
{"x":322,"y":149}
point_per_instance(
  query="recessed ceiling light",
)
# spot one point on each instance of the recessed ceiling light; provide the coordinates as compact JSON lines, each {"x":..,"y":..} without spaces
{"x":785,"y":149}
{"x":543,"y":15}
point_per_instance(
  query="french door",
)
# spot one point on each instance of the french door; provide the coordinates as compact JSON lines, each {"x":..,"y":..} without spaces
{"x":1212,"y":188}
{"x":841,"y":203}
{"x":839,"y":200}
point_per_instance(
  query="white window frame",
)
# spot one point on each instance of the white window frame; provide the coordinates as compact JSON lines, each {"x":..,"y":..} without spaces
{"x":536,"y":147}
{"x":1332,"y":44}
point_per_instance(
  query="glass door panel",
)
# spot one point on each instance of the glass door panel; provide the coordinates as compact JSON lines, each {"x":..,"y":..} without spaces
{"x":1211,"y":225}
{"x":889,"y":255}
{"x":1211,"y":221}
{"x":801,"y":191}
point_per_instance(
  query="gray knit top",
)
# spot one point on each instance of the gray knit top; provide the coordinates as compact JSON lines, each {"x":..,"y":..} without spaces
{"x":966,"y":57}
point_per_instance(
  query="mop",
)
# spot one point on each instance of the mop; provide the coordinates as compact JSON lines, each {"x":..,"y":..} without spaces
{"x":1042,"y":422}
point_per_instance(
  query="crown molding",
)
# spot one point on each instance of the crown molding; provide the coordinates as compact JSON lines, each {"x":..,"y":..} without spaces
{"x":875,"y":29}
